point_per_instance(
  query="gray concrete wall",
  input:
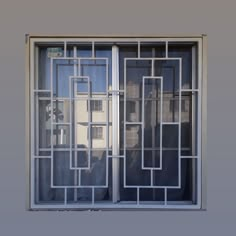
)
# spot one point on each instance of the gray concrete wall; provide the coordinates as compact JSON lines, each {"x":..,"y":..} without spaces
{"x":215,"y":18}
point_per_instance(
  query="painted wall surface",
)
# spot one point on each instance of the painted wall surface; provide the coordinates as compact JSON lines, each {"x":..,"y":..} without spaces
{"x":214,"y":18}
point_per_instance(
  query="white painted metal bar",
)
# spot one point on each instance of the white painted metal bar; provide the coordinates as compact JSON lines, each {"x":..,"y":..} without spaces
{"x":139,"y":53}
{"x":75,"y":127}
{"x":165,"y":196}
{"x":36,"y":136}
{"x":180,"y":120}
{"x":93,"y":49}
{"x":138,"y":197}
{"x":143,"y":120}
{"x":193,"y":120}
{"x":151,"y":177}
{"x":42,"y":91}
{"x":153,"y":58}
{"x":65,"y":48}
{"x":124,"y":126}
{"x":78,"y":186}
{"x":199,"y":123}
{"x":32,"y":127}
{"x":115,"y":125}
{"x":71,"y":127}
{"x":132,"y":40}
{"x":61,"y":123}
{"x":133,"y":123}
{"x":170,"y":123}
{"x":116,"y":91}
{"x":151,"y":186}
{"x":65,"y":196}
{"x":115,"y":156}
{"x":42,"y":157}
{"x":189,"y":157}
{"x":190,"y":90}
{"x":167,"y":48}
{"x":107,"y":119}
{"x":93,"y":195}
{"x":51,"y":139}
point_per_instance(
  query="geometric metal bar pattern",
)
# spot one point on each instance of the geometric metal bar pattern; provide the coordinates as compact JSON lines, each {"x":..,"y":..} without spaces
{"x":137,"y":166}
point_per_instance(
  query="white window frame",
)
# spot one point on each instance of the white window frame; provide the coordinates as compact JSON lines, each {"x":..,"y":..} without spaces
{"x":201,"y":40}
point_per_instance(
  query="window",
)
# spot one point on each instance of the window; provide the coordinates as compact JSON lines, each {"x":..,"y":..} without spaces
{"x":146,"y":149}
{"x":95,"y":105}
{"x":97,"y":133}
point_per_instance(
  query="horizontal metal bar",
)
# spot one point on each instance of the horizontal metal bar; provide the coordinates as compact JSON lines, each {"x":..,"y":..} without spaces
{"x":116,"y":38}
{"x":115,"y":91}
{"x":152,"y":186}
{"x":68,"y":149}
{"x":115,"y":156}
{"x":79,"y":186}
{"x":133,"y":123}
{"x":116,"y":206}
{"x":170,"y":123}
{"x":42,"y":157}
{"x":152,"y":168}
{"x":189,"y":90}
{"x":153,"y":59}
{"x":80,"y":58}
{"x":189,"y":157}
{"x":42,"y":91}
{"x":61,"y":123}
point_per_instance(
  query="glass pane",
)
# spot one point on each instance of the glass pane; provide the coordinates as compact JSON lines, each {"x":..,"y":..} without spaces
{"x":152,"y":49}
{"x":187,"y":52}
{"x":168,"y":175}
{"x":44,"y":124}
{"x":97,"y":71}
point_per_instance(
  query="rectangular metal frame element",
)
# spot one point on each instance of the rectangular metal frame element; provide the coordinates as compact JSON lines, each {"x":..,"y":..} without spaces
{"x":143,"y":120}
{"x":152,"y":186}
{"x":33,"y":40}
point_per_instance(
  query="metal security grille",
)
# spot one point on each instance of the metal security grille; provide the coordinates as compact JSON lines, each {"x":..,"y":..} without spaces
{"x":143,"y":149}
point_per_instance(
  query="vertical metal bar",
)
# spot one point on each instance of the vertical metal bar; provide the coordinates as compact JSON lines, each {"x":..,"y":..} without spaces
{"x":203,"y":127}
{"x":139,"y":53}
{"x":27,"y":122}
{"x":115,"y":124}
{"x":165,"y":196}
{"x":153,"y":134}
{"x":138,"y":195}
{"x":143,"y":122}
{"x":161,"y":110}
{"x":153,"y":116}
{"x":75,"y":128}
{"x":32,"y":139}
{"x":167,"y":49}
{"x":107,"y":119}
{"x":199,"y":125}
{"x":65,"y":48}
{"x":124,"y":126}
{"x":153,"y":121}
{"x":79,"y":171}
{"x":93,"y":49}
{"x":179,"y":126}
{"x":193,"y":125}
{"x":93,"y":195}
{"x":151,"y":177}
{"x":51,"y":138}
{"x":65,"y":196}
{"x":36,"y":136}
